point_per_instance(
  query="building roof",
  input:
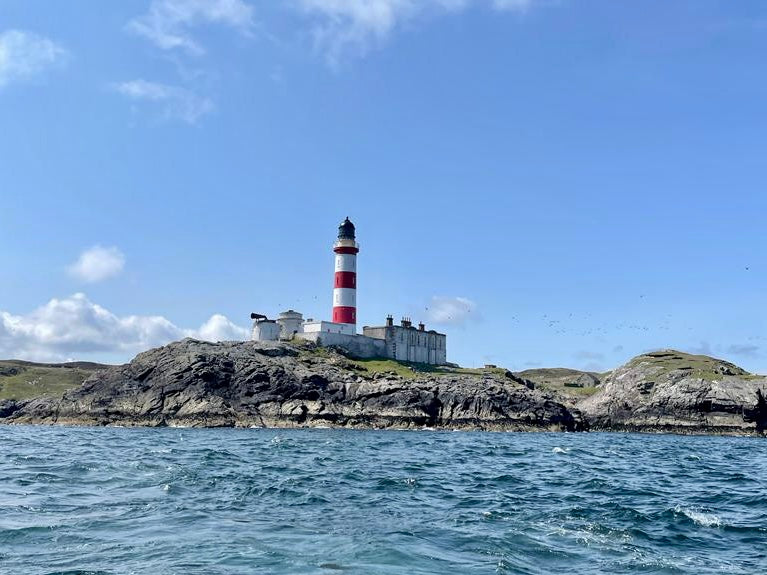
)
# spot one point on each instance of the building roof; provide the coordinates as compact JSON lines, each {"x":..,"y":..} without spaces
{"x":409,"y":328}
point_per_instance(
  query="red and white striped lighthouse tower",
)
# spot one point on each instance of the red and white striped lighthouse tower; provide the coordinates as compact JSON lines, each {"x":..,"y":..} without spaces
{"x":345,"y":285}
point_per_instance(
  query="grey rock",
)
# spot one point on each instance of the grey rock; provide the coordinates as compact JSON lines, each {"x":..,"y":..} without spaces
{"x":9,"y":370}
{"x":193,"y":383}
{"x":682,"y":393}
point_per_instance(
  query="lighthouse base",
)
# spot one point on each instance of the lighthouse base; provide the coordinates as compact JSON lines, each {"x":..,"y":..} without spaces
{"x":330,"y":327}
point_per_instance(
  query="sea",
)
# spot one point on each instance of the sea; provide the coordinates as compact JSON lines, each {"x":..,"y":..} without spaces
{"x":93,"y":501}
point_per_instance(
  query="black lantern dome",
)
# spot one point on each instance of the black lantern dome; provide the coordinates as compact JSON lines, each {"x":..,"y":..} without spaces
{"x":346,"y":230}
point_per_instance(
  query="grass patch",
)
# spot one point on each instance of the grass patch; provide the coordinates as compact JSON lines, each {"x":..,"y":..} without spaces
{"x":701,"y":366}
{"x":410,"y":370}
{"x":582,"y":391}
{"x":25,"y":381}
{"x":306,"y":348}
{"x":386,"y":366}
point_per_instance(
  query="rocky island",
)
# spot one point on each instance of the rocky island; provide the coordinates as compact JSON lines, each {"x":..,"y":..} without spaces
{"x":275,"y":384}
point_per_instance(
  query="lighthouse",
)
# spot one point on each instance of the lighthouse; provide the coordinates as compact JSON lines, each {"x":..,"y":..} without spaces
{"x":401,"y":342}
{"x":345,"y":284}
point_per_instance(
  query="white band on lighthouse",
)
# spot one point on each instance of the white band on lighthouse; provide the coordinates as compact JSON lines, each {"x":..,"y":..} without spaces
{"x":344,"y":297}
{"x":346,"y":262}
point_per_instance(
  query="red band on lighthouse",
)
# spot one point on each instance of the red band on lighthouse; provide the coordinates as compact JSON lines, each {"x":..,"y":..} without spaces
{"x":346,"y":280}
{"x":344,"y":314}
{"x":346,"y":250}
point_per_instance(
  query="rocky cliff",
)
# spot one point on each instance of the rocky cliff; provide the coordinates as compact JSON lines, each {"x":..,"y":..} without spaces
{"x":194,"y":383}
{"x":678,"y":392}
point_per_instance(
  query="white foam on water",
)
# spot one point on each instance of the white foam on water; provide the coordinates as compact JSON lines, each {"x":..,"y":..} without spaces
{"x":588,"y":535}
{"x":699,"y":517}
{"x":560,"y":450}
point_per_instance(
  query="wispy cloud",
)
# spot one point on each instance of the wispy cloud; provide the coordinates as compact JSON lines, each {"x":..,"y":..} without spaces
{"x":451,"y":310}
{"x":704,"y":348}
{"x":512,"y":4}
{"x":98,"y":264}
{"x":75,"y":328}
{"x":169,"y":23}
{"x":744,"y":350}
{"x":352,"y":27}
{"x":174,"y":102}
{"x":26,"y":56}
{"x":591,"y":355}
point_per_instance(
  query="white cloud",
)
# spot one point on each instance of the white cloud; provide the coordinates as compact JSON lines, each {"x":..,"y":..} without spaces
{"x":76,"y":328}
{"x":219,"y":328}
{"x":98,"y":264}
{"x":354,"y":26}
{"x":168,"y":23}
{"x":175,"y":102}
{"x":451,"y":310}
{"x":25,"y":56}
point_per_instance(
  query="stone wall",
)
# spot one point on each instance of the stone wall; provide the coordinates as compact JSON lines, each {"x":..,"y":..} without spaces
{"x":356,"y":345}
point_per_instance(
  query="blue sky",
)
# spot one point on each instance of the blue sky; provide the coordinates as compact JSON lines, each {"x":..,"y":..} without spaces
{"x":549,"y":182}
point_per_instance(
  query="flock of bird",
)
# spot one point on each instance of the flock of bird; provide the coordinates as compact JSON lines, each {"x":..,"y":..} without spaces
{"x":559,"y":326}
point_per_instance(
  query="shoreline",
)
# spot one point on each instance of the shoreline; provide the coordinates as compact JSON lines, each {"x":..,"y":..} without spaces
{"x":622,"y":430}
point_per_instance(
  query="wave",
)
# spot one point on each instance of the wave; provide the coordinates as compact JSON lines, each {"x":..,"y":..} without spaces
{"x":699,"y":517}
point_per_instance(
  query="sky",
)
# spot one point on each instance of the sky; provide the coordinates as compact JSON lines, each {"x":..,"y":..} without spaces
{"x":549,"y":182}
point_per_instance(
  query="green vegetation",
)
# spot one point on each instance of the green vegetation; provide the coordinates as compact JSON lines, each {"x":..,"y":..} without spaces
{"x":552,"y":374}
{"x":306,"y":348}
{"x":582,"y":391}
{"x":21,"y":380}
{"x":701,"y":366}
{"x":568,"y":384}
{"x":411,"y":370}
{"x":386,"y":366}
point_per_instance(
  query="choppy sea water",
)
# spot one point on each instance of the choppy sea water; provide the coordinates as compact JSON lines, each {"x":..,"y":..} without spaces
{"x":227,"y":501}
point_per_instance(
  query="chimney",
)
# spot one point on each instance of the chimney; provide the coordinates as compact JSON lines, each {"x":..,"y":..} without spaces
{"x":389,"y":321}
{"x":421,"y":327}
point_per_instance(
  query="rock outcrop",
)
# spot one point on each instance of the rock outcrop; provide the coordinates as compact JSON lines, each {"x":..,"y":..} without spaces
{"x":681,"y":393}
{"x":193,"y":383}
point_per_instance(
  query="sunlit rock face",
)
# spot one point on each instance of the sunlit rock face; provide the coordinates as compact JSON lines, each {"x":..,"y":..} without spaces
{"x":193,"y":383}
{"x":674,"y":391}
